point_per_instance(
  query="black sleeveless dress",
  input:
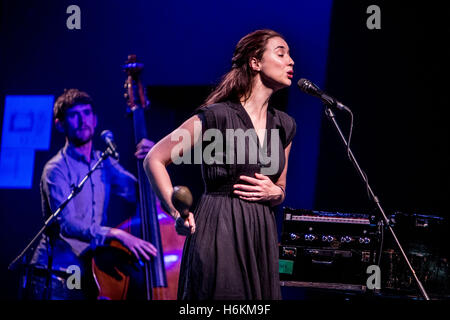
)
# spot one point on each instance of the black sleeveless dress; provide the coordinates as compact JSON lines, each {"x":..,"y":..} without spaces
{"x":233,"y":254}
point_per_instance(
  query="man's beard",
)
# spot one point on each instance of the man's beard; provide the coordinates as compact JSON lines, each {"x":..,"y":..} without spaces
{"x":78,"y":141}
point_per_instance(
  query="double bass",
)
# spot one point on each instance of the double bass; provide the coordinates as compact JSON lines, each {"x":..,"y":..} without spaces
{"x":113,"y":267}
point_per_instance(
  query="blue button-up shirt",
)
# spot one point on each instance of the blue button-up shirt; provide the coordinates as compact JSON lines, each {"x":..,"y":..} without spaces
{"x":82,"y":222}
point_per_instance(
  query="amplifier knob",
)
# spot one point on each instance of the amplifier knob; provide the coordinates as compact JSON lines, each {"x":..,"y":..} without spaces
{"x":309,"y":237}
{"x":346,"y":239}
{"x":293,"y":236}
{"x":327,"y":238}
{"x":364,"y":240}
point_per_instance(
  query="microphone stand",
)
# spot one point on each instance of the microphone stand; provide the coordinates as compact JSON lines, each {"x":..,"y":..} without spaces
{"x":331,"y":117}
{"x":76,"y":189}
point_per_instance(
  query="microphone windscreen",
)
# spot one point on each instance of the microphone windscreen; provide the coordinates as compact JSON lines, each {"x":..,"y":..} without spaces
{"x":308,"y":87}
{"x":301,"y":83}
{"x":304,"y":85}
{"x":107,"y":134}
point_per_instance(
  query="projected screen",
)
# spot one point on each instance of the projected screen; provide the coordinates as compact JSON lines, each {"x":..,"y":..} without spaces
{"x":26,"y":128}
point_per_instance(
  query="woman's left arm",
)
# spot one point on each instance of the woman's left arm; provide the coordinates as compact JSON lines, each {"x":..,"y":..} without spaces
{"x":262,"y":188}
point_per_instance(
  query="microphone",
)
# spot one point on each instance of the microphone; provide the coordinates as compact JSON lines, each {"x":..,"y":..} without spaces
{"x":108,"y":137}
{"x":310,"y":88}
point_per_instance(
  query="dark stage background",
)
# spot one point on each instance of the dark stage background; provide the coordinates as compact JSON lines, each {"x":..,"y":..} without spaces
{"x":394,"y":80}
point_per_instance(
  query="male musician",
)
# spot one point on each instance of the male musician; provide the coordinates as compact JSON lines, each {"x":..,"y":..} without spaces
{"x":81,"y":223}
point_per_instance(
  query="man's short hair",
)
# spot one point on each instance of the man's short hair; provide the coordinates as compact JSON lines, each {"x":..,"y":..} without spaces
{"x":69,"y":99}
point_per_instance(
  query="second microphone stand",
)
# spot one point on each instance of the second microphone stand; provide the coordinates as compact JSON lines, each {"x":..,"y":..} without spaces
{"x":76,"y":189}
{"x":332,"y":118}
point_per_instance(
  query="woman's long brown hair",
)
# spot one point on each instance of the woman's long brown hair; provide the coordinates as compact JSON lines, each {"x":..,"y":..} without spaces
{"x":238,"y":82}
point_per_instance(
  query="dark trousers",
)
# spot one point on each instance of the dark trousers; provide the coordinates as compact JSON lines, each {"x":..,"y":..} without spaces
{"x":40,"y":284}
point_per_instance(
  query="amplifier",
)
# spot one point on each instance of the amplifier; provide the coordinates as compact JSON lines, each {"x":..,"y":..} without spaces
{"x":328,"y":230}
{"x":424,"y":240}
{"x":327,"y":247}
